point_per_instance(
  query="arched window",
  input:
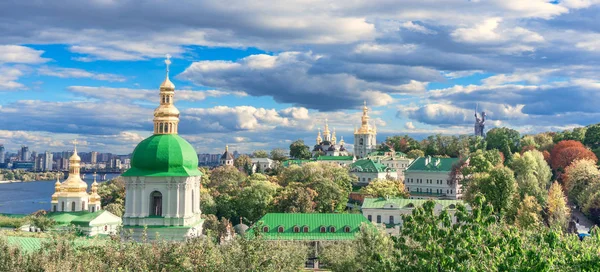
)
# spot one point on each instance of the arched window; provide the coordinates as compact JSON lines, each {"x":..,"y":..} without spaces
{"x":323,"y":229}
{"x":280,"y":229}
{"x":346,"y":229}
{"x":54,"y":208}
{"x":83,"y":205}
{"x":332,"y":229}
{"x":73,"y":206}
{"x":391,"y":219}
{"x":305,"y":229}
{"x":160,"y":128}
{"x":296,"y":229}
{"x":361,"y":141}
{"x":379,"y":219}
{"x":93,"y":208}
{"x":265,"y":229}
{"x":62,"y":206}
{"x":156,"y":203}
{"x":370,"y":218}
{"x":168,"y":99}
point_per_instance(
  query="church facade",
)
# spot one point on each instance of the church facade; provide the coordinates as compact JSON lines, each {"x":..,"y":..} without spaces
{"x":163,"y":184}
{"x":327,"y":145}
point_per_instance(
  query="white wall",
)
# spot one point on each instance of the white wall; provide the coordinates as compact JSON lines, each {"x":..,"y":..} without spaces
{"x":434,"y":182}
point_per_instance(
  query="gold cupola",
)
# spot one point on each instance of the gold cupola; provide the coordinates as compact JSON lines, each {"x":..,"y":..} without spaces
{"x":166,"y":116}
{"x":333,"y":138}
{"x":94,"y":197}
{"x":342,"y":141}
{"x":74,"y":184}
{"x":319,"y":138}
{"x":56,"y":190}
{"x":365,"y":128}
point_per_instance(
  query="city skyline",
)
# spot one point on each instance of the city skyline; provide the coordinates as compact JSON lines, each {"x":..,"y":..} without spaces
{"x":422,"y":68}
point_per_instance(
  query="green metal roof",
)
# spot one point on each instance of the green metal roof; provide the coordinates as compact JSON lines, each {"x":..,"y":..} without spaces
{"x":434,"y":165}
{"x":31,"y":244}
{"x":292,"y":162}
{"x":335,"y":158}
{"x":165,"y":155}
{"x":378,"y":203}
{"x":368,"y":165}
{"x":314,"y":222}
{"x":82,"y":218}
{"x":383,"y":154}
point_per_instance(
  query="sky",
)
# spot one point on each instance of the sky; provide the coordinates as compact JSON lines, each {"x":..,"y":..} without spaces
{"x":261,"y":74}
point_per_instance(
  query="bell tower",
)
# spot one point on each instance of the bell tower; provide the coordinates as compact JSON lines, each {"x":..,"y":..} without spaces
{"x":365,"y":136}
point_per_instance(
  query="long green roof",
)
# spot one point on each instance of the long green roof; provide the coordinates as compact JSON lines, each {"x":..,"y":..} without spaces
{"x":368,"y":165}
{"x":31,"y":244}
{"x":82,"y":218}
{"x":335,"y":158}
{"x":434,"y":165}
{"x":166,"y":155}
{"x":314,"y":222}
{"x":383,"y":154}
{"x":379,"y":203}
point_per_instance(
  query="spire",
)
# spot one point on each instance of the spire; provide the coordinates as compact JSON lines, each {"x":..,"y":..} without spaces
{"x":365,"y":128}
{"x":326,"y":131}
{"x":166,"y":116}
{"x":333,"y":138}
{"x":226,"y":148}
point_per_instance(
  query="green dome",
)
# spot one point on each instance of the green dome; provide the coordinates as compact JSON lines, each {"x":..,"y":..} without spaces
{"x":166,"y":155}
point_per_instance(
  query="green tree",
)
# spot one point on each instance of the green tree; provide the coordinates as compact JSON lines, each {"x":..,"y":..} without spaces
{"x":295,"y":198}
{"x":415,"y":153}
{"x":528,"y":214}
{"x":260,"y":154}
{"x":578,"y":176}
{"x":299,"y":150}
{"x":278,"y":154}
{"x":528,"y":140}
{"x":504,"y":139}
{"x":243,"y":163}
{"x":558,"y":213}
{"x":386,"y":188}
{"x":331,"y":197}
{"x":532,"y":174}
{"x":225,"y":180}
{"x":544,"y":141}
{"x":255,"y":200}
{"x":207,"y":202}
{"x":41,"y":221}
{"x":498,"y":187}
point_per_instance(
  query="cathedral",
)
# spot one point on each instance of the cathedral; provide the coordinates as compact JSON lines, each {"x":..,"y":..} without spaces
{"x":72,"y":195}
{"x":327,"y":144}
{"x":163,"y":184}
{"x":365,"y":137}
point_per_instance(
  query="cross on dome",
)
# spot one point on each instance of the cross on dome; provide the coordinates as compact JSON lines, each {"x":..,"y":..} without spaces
{"x":168,"y":62}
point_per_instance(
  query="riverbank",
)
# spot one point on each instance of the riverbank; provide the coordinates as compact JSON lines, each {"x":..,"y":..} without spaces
{"x":10,"y":181}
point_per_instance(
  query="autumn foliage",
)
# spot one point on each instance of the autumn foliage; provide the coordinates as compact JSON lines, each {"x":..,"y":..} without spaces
{"x":565,"y":152}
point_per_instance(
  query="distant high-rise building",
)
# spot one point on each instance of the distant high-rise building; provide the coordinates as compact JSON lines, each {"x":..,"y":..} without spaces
{"x":2,"y":154}
{"x":34,"y":156}
{"x":25,"y":155}
{"x":47,"y":161}
{"x":94,"y":158}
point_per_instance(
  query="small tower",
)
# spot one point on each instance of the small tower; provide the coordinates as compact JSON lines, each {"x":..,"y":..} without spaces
{"x":94,"y":197}
{"x":227,"y":158}
{"x":319,"y":138}
{"x":326,"y":132}
{"x":55,"y":195}
{"x":333,"y":138}
{"x":365,"y":136}
{"x":71,"y":195}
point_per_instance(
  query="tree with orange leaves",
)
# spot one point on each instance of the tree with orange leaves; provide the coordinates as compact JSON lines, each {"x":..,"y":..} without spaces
{"x":565,"y":152}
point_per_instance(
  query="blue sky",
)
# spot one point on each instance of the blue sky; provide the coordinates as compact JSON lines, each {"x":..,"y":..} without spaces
{"x":260,"y":74}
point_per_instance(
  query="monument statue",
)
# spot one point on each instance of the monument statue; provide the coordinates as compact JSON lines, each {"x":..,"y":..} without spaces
{"x":480,"y":124}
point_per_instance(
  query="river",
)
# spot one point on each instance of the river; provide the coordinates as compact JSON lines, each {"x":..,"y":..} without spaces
{"x":28,"y":197}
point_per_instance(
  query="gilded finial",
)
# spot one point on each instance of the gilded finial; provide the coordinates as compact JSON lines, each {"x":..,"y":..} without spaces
{"x":226,"y":148}
{"x":75,"y":142}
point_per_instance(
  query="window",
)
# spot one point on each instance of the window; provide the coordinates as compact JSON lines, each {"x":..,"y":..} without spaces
{"x":156,"y":203}
{"x":370,"y":218}
{"x":452,"y":206}
{"x":83,"y":205}
{"x":105,"y":228}
{"x":62,"y":206}
{"x":369,"y":179}
{"x":379,"y":219}
{"x":54,"y":208}
{"x":265,"y":229}
{"x":331,"y":229}
{"x":305,"y":229}
{"x":346,"y":229}
{"x":73,"y":206}
{"x":323,"y":229}
{"x":296,"y":229}
{"x":280,"y":229}
{"x":391,"y":219}
{"x":93,"y":208}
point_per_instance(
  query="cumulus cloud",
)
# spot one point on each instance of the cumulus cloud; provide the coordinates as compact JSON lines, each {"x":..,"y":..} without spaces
{"x":286,"y":78}
{"x":9,"y":77}
{"x":78,"y":73}
{"x":20,"y":54}
{"x":409,"y":126}
{"x":108,"y":93}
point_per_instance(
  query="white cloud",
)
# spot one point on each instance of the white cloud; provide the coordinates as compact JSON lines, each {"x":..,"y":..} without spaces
{"x":409,"y":25}
{"x":489,"y":32}
{"x":9,"y":77}
{"x":109,"y":93}
{"x":20,"y":54}
{"x":409,"y":125}
{"x":78,"y":73}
